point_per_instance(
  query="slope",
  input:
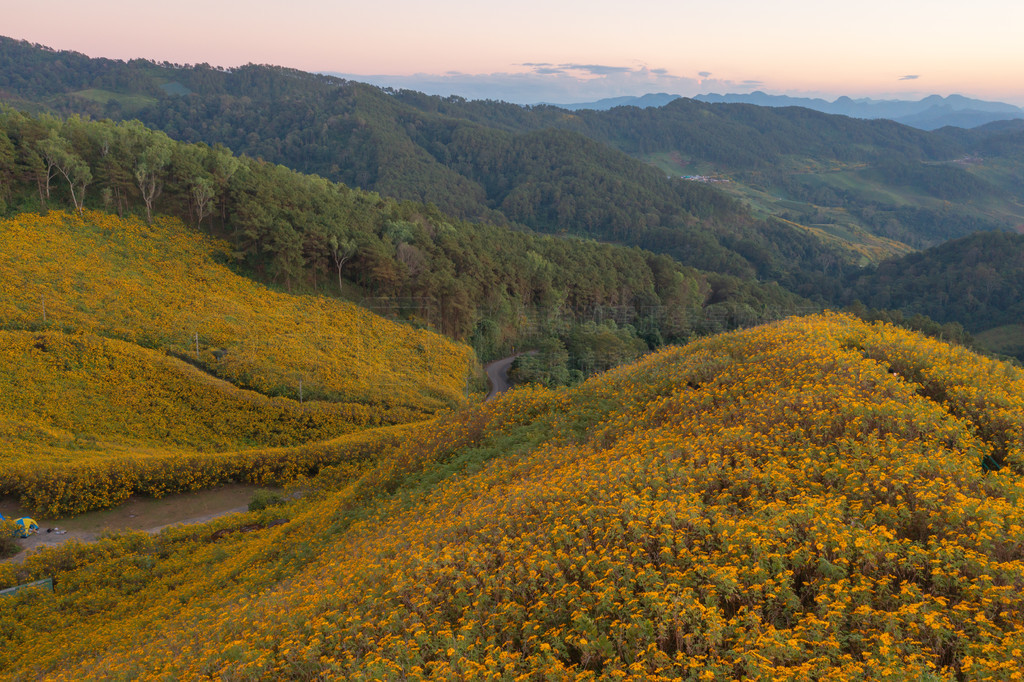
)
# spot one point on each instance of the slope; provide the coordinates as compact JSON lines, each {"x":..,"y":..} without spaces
{"x":93,"y":407}
{"x":162,"y":287}
{"x":816,"y":170}
{"x":865,"y":183}
{"x":800,"y":500}
{"x":977,"y":281}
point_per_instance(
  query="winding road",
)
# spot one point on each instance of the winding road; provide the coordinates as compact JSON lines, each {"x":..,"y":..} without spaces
{"x":497,"y":375}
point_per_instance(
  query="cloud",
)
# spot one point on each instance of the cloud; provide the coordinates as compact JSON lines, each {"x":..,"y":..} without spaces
{"x":912,"y":77}
{"x":597,"y":69}
{"x":568,"y":83}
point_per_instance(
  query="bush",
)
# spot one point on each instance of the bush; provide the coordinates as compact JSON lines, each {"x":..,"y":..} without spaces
{"x":261,"y":499}
{"x":8,"y":539}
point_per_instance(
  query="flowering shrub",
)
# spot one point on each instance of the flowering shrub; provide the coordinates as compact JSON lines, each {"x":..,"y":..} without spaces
{"x":54,"y":490}
{"x":802,"y":500}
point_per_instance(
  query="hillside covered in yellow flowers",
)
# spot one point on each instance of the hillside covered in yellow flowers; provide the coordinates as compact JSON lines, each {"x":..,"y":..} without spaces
{"x":128,"y":349}
{"x":801,"y":500}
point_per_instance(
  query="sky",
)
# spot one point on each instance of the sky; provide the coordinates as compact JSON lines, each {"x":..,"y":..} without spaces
{"x":565,"y":51}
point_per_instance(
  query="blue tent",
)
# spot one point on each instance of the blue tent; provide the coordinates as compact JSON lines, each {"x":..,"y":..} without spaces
{"x":26,"y":527}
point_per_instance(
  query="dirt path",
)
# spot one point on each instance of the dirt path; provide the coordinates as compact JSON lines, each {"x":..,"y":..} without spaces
{"x":138,"y":513}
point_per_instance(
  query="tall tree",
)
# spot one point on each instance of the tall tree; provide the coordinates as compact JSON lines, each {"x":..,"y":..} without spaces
{"x":152,"y":156}
{"x":61,"y":158}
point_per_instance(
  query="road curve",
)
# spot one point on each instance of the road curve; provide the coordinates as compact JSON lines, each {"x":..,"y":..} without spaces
{"x":497,"y":376}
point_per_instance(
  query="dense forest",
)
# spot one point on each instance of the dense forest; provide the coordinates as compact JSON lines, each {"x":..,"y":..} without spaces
{"x":480,"y":161}
{"x":479,"y":282}
{"x":977,"y":280}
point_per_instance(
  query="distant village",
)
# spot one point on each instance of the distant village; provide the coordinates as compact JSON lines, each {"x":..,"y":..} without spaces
{"x":703,"y":178}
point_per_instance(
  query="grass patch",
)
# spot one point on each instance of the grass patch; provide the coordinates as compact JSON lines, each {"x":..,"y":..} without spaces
{"x":132,"y":102}
{"x":1005,"y":340}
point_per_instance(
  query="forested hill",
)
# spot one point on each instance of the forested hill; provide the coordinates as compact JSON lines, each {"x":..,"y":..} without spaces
{"x":843,"y":190}
{"x":1003,"y":139}
{"x":852,"y":179}
{"x":977,"y":280}
{"x":473,"y":281}
{"x":478,"y":161}
{"x":735,"y":135}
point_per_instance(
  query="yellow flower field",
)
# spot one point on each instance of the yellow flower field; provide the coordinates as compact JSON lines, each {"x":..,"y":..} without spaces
{"x":132,"y":360}
{"x":63,"y":396}
{"x":163,"y":286}
{"x":802,"y":500}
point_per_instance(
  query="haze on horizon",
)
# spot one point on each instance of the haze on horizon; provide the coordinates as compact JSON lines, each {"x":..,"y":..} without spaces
{"x":570,"y":50}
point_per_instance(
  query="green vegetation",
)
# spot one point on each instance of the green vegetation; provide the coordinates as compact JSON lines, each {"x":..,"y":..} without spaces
{"x":977,"y":281}
{"x":502,"y":164}
{"x":478,"y":282}
{"x":261,"y":499}
{"x":1005,"y":340}
{"x":8,"y":544}
{"x":813,"y":196}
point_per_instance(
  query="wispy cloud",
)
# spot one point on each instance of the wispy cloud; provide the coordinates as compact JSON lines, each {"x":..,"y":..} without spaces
{"x":597,"y":69}
{"x":565,"y":83}
{"x":911,"y":77}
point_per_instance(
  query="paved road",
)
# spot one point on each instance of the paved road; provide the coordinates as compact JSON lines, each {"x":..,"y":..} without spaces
{"x":497,"y":376}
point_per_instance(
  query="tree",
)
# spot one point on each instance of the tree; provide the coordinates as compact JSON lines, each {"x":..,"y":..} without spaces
{"x":202,"y":198}
{"x":46,"y":151}
{"x":152,"y":156}
{"x":341,"y":251}
{"x":7,"y":168}
{"x":58,"y":155}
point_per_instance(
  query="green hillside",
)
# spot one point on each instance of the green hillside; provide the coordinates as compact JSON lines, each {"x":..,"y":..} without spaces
{"x":799,"y":500}
{"x":553,"y":180}
{"x":977,"y":281}
{"x":479,"y":282}
{"x":866,"y":182}
{"x":807,"y":194}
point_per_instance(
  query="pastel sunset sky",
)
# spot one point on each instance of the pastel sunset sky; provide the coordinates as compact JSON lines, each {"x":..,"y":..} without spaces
{"x":570,"y":50}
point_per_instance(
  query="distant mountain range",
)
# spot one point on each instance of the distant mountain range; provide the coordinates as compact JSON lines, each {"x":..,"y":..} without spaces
{"x":930,"y":113}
